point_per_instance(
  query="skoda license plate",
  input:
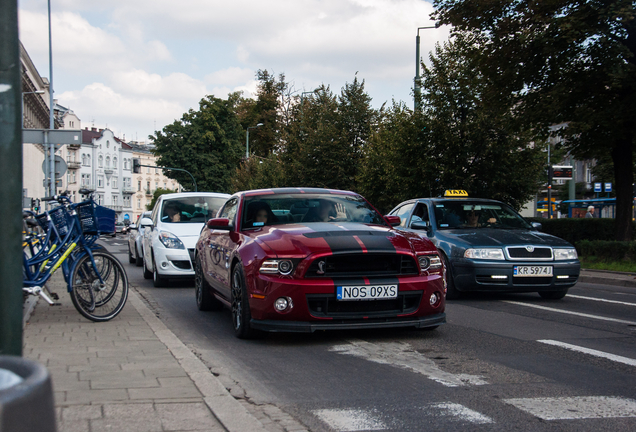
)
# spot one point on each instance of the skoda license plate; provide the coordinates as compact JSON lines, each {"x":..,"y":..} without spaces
{"x":532,"y":271}
{"x":366,"y":292}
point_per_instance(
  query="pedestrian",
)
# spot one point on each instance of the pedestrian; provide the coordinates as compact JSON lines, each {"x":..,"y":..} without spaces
{"x":590,"y":212}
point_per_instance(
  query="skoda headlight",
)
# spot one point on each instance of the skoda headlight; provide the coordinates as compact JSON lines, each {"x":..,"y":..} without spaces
{"x":170,"y":240}
{"x":485,"y":254}
{"x":565,"y":254}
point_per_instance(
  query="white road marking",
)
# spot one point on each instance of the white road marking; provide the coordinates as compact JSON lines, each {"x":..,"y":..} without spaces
{"x":403,"y":356}
{"x":612,"y":357}
{"x":349,"y":419}
{"x":460,"y":412}
{"x":570,"y":312}
{"x":602,"y":300}
{"x":572,"y":408}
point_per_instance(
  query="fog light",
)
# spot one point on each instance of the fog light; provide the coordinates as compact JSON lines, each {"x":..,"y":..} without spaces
{"x":164,"y":264}
{"x":434,"y":299}
{"x":281,"y":304}
{"x":562,"y":276}
{"x":499,"y":277}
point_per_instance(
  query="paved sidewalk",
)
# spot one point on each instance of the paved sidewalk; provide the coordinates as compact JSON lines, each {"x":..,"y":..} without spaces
{"x":608,"y":278}
{"x":129,"y":374}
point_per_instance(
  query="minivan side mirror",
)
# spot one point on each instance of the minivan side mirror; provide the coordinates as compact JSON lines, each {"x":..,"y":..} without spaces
{"x":420,"y":225}
{"x":145,"y":222}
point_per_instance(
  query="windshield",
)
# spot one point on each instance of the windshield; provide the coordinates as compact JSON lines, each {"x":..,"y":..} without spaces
{"x":193,"y":209}
{"x":303,"y":208}
{"x":474,"y":214}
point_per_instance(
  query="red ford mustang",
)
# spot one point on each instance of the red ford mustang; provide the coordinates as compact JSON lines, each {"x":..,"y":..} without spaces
{"x":301,"y":259}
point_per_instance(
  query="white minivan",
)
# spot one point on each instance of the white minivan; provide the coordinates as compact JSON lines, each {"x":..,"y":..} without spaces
{"x":172,"y":231}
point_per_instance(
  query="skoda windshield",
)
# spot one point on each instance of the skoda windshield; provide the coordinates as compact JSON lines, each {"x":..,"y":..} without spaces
{"x":278,"y":209}
{"x":467,"y":214}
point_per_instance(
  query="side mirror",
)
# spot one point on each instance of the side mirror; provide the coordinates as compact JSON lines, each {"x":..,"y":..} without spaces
{"x":219,"y":224}
{"x":145,"y":222}
{"x":132,"y":227}
{"x":420,"y":225}
{"x":537,"y":225}
{"x":393,"y":220}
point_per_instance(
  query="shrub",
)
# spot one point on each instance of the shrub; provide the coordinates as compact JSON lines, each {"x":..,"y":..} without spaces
{"x":605,"y":250}
{"x":575,"y":230}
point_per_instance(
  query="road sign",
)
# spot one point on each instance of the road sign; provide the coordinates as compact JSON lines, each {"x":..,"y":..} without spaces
{"x":608,"y":187}
{"x":56,"y":136}
{"x":562,"y":172}
{"x":126,"y":216}
{"x":60,"y":167}
{"x":598,"y":187}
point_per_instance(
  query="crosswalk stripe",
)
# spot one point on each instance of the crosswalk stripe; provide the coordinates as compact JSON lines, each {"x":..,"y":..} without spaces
{"x":570,"y":312}
{"x":349,"y":420}
{"x":574,"y":408}
{"x":612,"y":357}
{"x":461,"y":413}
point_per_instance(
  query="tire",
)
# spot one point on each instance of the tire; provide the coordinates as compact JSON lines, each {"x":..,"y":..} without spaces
{"x":241,"y":314}
{"x":204,"y":297}
{"x":91,"y":299}
{"x":553,"y":295}
{"x":138,"y":259}
{"x":147,"y":273}
{"x":157,"y":280}
{"x":451,"y":291}
{"x":131,"y":258}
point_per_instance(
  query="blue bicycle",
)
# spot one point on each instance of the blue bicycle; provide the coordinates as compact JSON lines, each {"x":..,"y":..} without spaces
{"x":96,"y":280}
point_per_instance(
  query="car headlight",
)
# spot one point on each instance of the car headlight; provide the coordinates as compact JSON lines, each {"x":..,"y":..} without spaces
{"x":429,"y":262}
{"x":170,"y":240}
{"x":565,"y":254}
{"x":486,"y":253}
{"x":275,"y":266}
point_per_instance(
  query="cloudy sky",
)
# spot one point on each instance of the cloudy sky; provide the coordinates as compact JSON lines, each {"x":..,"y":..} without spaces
{"x":136,"y":65}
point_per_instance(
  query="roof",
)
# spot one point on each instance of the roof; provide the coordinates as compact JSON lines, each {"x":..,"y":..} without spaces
{"x":298,"y":190}
{"x":190,"y":194}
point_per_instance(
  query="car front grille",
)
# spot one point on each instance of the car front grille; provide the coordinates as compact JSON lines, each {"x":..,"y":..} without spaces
{"x":536,"y":253}
{"x":362,"y":264}
{"x":191,"y":253}
{"x":321,"y":305}
{"x":182,"y":264}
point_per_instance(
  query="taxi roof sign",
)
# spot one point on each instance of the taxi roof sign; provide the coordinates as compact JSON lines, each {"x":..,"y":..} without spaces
{"x":455,"y":193}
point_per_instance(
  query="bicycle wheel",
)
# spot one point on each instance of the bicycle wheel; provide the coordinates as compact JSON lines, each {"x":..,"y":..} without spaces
{"x":93,"y":300}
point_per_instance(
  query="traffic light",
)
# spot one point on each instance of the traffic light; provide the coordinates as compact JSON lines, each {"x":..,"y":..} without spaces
{"x":136,"y":165}
{"x":36,"y":206}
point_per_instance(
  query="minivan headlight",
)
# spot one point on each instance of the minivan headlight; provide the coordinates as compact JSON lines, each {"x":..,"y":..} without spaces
{"x":486,"y":254}
{"x":170,"y":240}
{"x":565,"y":254}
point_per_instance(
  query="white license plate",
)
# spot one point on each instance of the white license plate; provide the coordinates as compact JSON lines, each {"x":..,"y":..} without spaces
{"x":532,"y":271}
{"x":366,"y":292}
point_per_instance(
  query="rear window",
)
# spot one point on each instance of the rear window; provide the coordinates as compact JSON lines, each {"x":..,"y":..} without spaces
{"x":192,"y":209}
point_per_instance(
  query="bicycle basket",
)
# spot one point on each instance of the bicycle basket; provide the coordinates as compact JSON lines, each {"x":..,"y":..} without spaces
{"x":96,"y":219}
{"x":60,"y":220}
{"x":42,"y":221}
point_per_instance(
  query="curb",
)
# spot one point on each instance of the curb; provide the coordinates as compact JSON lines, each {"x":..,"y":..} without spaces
{"x":607,"y":281}
{"x":232,"y":415}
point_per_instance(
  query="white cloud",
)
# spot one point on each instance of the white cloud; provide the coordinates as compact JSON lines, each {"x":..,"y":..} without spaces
{"x":230,"y":76}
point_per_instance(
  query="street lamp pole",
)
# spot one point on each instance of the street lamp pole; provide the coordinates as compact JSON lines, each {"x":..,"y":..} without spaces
{"x":417,"y":89}
{"x":247,"y":139}
{"x":51,"y":114}
{"x":23,"y":93}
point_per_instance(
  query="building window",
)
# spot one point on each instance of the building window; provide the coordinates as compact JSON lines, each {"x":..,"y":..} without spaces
{"x":86,"y":180}
{"x":156,"y":170}
{"x":114,"y":183}
{"x":100,"y":199}
{"x":147,"y":170}
{"x":100,"y":181}
{"x":115,"y":199}
{"x":107,"y":162}
{"x":107,"y":143}
{"x":138,"y":185}
{"x":588,"y":174}
{"x":114,"y":163}
{"x":88,"y":160}
{"x":127,"y":201}
{"x":100,"y":162}
{"x":138,"y":203}
{"x":148,"y":186}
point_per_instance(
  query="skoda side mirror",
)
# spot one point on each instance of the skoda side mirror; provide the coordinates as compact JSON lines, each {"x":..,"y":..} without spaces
{"x":537,"y":226}
{"x":219,"y":224}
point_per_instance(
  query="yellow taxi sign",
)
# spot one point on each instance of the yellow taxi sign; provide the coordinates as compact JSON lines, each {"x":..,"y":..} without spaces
{"x":455,"y":193}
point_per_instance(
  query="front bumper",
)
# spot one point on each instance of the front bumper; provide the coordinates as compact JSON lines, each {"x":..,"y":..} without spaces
{"x":310,"y":327}
{"x":476,"y":275}
{"x":173,"y":263}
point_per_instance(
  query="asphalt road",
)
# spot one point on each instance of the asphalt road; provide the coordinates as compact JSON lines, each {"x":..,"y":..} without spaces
{"x":503,"y":363}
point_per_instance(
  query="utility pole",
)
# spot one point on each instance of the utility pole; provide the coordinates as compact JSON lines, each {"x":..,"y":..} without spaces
{"x":416,"y":82}
{"x":11,"y":186}
{"x":51,"y":170}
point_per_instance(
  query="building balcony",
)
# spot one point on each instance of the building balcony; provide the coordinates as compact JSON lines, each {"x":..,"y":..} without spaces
{"x":117,"y":208}
{"x":128,"y":190}
{"x":108,"y":171}
{"x":148,"y":192}
{"x":73,"y":165}
{"x":74,"y":146}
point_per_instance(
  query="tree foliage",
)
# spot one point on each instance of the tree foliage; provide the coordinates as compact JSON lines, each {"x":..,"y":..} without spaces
{"x":561,"y":61}
{"x":155,"y":196}
{"x":207,"y":143}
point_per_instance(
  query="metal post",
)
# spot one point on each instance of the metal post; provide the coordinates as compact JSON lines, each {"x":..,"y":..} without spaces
{"x":247,"y":143}
{"x":11,"y":186}
{"x":549,"y":185}
{"x":416,"y":85}
{"x":51,"y":113}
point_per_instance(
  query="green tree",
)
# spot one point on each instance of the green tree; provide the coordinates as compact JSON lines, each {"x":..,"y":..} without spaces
{"x":155,"y":196}
{"x":207,"y":143}
{"x":561,"y":61}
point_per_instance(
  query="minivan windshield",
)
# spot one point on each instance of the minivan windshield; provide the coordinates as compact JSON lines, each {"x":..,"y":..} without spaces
{"x":305,"y":208}
{"x":454,"y":214}
{"x":192,"y":209}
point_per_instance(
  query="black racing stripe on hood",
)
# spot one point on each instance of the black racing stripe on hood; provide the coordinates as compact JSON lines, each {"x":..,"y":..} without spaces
{"x":340,"y":233}
{"x":343,"y":240}
{"x":375,"y":243}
